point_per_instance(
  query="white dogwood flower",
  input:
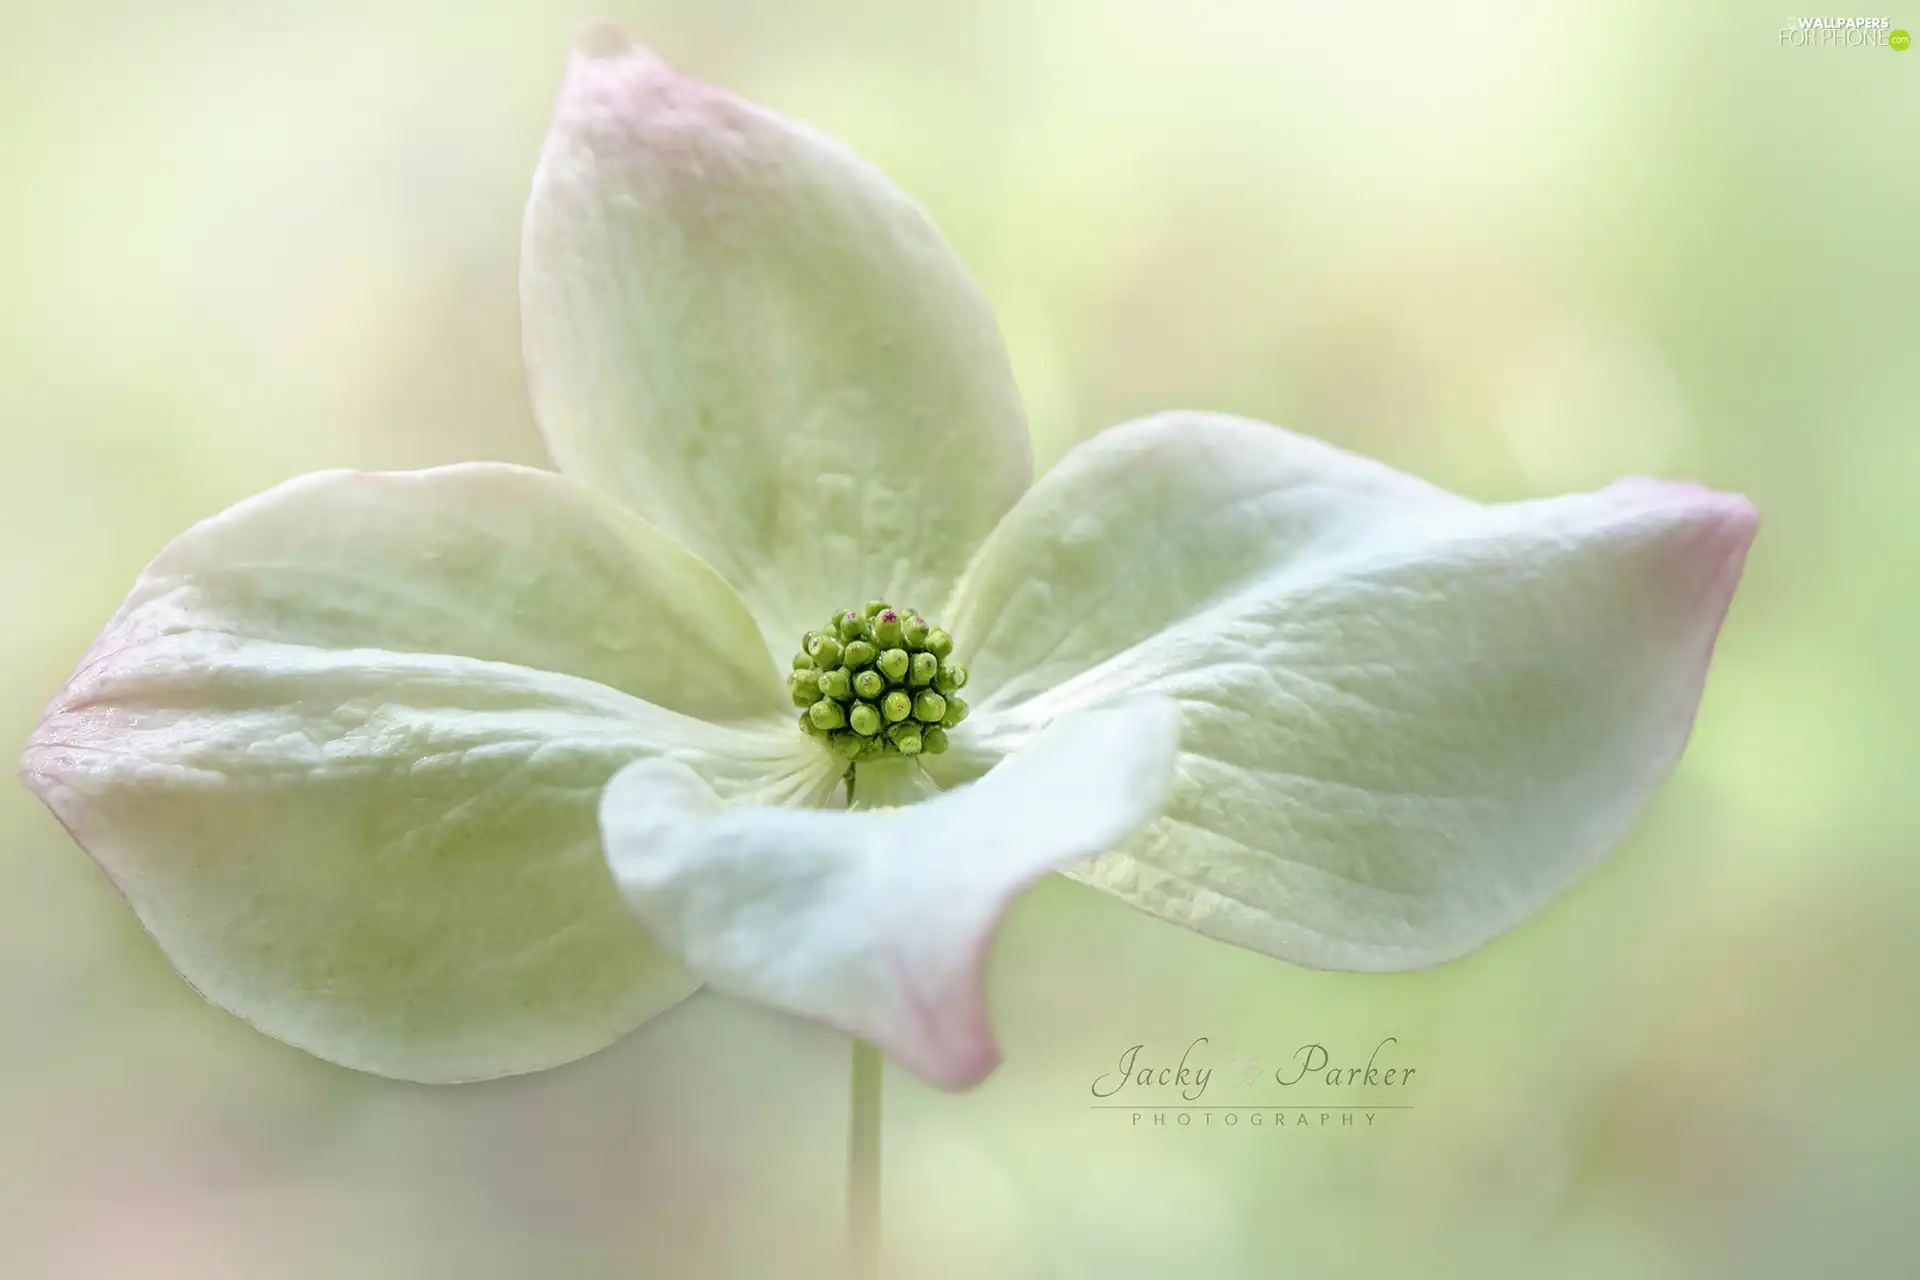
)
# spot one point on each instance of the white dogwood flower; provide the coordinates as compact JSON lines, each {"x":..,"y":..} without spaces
{"x":361,"y":750}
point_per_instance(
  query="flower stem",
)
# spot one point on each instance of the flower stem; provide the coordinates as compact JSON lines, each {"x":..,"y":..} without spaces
{"x":863,"y":1165}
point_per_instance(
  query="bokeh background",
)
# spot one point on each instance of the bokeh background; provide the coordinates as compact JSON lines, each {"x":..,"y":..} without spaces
{"x":1519,"y":250}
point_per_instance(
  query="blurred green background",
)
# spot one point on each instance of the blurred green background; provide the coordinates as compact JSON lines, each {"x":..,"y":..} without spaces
{"x":1517,"y":251}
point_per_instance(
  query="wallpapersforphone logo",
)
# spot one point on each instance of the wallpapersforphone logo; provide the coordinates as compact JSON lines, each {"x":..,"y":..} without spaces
{"x":1844,"y":33}
{"x":1310,"y":1086}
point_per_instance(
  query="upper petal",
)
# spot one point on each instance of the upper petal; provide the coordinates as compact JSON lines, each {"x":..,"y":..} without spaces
{"x":877,"y":921}
{"x":1409,"y":719}
{"x":342,"y":745}
{"x":754,"y":339}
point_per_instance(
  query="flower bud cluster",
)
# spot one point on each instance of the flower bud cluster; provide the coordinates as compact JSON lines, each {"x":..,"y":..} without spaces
{"x":878,"y":682}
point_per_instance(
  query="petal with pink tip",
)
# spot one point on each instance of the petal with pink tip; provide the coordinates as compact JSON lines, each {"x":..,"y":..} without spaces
{"x":1409,"y":720}
{"x":877,"y":921}
{"x":755,"y":340}
{"x":341,"y":749}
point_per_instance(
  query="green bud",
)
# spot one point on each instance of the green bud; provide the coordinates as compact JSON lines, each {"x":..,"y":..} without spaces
{"x":804,"y":687}
{"x":825,"y":651}
{"x":875,"y":682}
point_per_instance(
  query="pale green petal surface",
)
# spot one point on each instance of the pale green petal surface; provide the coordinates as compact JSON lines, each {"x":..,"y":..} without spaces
{"x":751,"y":337}
{"x":1409,"y":719}
{"x":878,"y":921}
{"x":341,"y":746}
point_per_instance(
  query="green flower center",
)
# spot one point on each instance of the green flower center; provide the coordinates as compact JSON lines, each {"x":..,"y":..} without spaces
{"x":877,"y":682}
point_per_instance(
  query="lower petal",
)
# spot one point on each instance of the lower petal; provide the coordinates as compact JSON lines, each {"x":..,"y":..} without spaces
{"x":877,"y":922}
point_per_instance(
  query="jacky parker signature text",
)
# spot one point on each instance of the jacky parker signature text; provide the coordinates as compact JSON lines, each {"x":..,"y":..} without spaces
{"x":1191,"y":1073}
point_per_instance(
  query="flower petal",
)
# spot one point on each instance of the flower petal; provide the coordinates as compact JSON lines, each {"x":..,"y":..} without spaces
{"x":1409,"y":719}
{"x":342,"y":745}
{"x":755,"y":340}
{"x":877,"y":921}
